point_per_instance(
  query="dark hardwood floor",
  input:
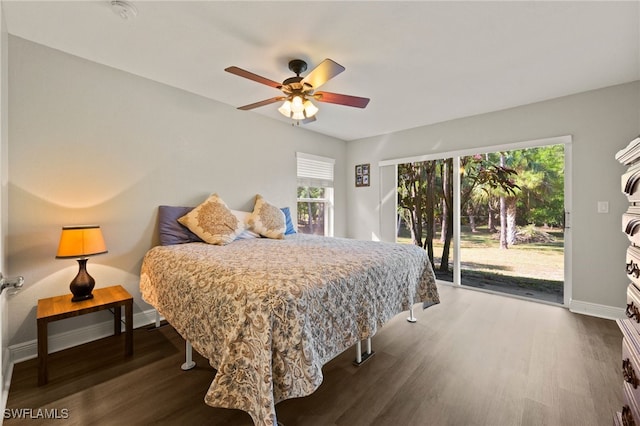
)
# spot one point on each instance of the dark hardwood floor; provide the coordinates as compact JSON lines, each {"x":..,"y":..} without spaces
{"x":475,"y":359}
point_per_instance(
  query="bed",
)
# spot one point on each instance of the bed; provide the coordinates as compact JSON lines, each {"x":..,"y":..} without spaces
{"x":269,"y":313}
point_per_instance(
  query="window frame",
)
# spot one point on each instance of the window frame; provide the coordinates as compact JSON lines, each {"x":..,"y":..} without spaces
{"x":322,"y":177}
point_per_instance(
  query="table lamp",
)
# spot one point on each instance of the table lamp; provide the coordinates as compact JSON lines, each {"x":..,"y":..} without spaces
{"x":80,"y":242}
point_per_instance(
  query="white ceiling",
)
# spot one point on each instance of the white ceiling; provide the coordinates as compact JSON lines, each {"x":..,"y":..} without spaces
{"x":419,"y":62}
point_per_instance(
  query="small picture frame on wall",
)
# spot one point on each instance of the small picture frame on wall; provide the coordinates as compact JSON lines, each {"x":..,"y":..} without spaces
{"x":362,"y":175}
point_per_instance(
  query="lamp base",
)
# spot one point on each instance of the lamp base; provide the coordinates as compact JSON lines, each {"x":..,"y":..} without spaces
{"x":82,"y":284}
{"x":81,"y":298}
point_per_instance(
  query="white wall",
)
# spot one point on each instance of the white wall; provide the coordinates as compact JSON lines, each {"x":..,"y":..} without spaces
{"x":601,"y":123}
{"x":91,"y":144}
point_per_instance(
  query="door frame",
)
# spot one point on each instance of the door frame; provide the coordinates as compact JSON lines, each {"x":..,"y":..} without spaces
{"x":565,"y":140}
{"x":6,"y":364}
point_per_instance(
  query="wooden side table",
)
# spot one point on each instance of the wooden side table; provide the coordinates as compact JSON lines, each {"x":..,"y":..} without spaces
{"x":61,"y":307}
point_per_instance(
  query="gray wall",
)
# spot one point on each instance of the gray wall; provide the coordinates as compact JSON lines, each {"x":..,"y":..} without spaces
{"x":91,"y":144}
{"x":601,"y":123}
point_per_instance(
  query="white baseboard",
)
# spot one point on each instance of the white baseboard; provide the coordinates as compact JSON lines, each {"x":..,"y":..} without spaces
{"x":57,"y":342}
{"x":595,"y":310}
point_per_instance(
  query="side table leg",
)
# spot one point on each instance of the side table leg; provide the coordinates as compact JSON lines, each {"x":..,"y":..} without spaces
{"x":117,"y":317}
{"x":128,"y":339}
{"x":43,"y":349}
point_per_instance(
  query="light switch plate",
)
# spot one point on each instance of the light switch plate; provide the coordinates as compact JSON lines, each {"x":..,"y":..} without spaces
{"x":603,"y":207}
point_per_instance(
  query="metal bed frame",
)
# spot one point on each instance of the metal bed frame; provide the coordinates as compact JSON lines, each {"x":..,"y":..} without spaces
{"x":361,"y":357}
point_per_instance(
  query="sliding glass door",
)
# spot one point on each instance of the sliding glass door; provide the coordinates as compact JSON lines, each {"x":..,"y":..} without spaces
{"x":511,"y":222}
{"x":493,"y":220}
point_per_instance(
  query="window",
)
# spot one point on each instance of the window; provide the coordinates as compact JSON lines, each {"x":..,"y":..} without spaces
{"x":315,"y":194}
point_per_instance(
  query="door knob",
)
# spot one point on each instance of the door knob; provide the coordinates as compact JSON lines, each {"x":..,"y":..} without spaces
{"x":15,"y":283}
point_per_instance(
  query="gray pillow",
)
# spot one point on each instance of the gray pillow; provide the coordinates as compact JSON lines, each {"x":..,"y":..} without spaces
{"x":171,"y":231}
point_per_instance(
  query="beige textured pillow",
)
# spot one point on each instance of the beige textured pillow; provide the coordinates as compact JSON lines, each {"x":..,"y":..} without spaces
{"x":213,"y":221}
{"x":267,"y":220}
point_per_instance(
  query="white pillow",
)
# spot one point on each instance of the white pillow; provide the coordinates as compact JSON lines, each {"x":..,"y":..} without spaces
{"x":247,"y":234}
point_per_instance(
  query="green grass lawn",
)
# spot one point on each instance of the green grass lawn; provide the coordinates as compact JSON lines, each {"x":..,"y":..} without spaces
{"x":539,"y":266}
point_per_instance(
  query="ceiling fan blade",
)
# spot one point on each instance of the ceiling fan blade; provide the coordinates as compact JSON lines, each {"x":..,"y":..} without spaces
{"x":323,"y":73}
{"x":262,"y":103}
{"x":336,"y":98}
{"x":251,"y":76}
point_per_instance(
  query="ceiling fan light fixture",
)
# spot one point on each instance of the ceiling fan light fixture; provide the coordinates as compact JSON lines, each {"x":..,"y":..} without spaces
{"x":298,"y":107}
{"x":309,"y":109}
{"x":285,"y":109}
{"x":297,"y":104}
{"x":298,"y":115}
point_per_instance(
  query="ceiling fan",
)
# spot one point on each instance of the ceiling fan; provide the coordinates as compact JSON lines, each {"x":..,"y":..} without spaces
{"x":297,"y":92}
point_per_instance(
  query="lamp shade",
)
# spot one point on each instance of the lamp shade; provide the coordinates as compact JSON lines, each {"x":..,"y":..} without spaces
{"x":80,"y":241}
{"x":297,"y":104}
{"x":285,"y":109}
{"x":309,"y":109}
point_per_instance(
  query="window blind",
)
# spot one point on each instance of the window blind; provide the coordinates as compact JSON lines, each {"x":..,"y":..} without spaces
{"x":314,"y":171}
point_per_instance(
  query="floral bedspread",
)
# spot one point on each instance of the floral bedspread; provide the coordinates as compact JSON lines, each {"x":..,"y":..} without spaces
{"x":268,"y":314}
